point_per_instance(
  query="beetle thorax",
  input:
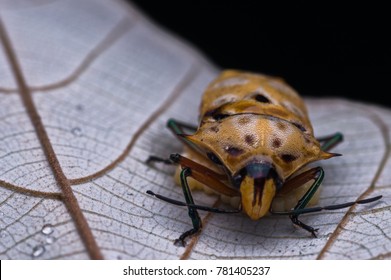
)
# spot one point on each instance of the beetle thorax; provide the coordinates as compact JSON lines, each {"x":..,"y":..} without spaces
{"x":241,"y":139}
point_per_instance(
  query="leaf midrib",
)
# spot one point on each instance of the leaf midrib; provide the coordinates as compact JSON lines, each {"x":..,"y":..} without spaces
{"x":68,"y":197}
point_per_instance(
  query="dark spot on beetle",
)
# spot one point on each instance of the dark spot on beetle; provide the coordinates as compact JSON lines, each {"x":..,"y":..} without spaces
{"x":250,"y":139}
{"x":281,"y":126}
{"x":214,"y":129}
{"x":244,"y":120}
{"x":276,"y":143}
{"x":288,"y":157}
{"x":233,"y":151}
{"x":261,"y":98}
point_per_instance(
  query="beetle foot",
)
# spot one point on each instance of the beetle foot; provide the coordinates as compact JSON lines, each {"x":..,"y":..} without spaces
{"x":152,"y":159}
{"x":295,"y":220}
{"x":180,"y":242}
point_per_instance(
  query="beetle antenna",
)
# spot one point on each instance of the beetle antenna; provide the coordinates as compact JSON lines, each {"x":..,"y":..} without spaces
{"x":194,"y":206}
{"x":329,"y":207}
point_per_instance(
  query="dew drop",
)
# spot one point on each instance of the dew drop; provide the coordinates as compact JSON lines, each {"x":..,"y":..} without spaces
{"x":38,"y":251}
{"x":77,"y":131}
{"x":50,"y":240}
{"x":47,"y":229}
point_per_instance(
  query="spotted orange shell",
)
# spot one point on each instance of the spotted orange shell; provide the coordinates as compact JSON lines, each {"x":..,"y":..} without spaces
{"x":246,"y":117}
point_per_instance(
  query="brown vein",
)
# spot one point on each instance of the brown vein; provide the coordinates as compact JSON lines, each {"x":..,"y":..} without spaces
{"x":385,"y":133}
{"x":382,"y":256}
{"x":385,"y":255}
{"x":123,"y":26}
{"x":189,"y":76}
{"x":14,"y":188}
{"x":68,"y":198}
{"x":194,"y":240}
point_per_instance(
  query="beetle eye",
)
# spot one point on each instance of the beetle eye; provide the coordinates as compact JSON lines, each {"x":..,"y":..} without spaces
{"x":214,"y":158}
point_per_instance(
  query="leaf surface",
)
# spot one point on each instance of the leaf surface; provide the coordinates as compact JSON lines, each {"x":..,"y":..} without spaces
{"x":86,"y":88}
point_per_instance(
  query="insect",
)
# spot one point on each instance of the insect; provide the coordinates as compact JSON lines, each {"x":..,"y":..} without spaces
{"x":253,"y":143}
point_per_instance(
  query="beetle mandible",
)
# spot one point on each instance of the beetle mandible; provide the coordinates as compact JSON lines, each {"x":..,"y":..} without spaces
{"x":254,"y":142}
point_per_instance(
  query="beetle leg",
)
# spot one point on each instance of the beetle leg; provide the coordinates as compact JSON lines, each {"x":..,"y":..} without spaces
{"x":200,"y":173}
{"x":177,"y":128}
{"x":193,"y":213}
{"x":203,"y":175}
{"x":316,"y":174}
{"x":195,"y":206}
{"x":206,"y":176}
{"x":158,"y":159}
{"x":297,"y":181}
{"x":330,"y":141}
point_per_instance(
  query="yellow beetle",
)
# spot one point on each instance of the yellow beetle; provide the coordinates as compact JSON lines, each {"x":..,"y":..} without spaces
{"x":252,"y":145}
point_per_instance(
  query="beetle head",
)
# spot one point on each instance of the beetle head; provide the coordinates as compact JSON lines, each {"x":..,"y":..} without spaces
{"x":258,"y":183}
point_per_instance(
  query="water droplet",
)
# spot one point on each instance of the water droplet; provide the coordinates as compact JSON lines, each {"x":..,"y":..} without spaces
{"x":50,"y":240}
{"x":38,"y":251}
{"x":213,"y":257}
{"x":77,"y":131}
{"x":47,"y":229}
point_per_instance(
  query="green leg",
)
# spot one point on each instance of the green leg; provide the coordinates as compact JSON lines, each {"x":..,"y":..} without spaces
{"x":158,"y":159}
{"x":302,"y":203}
{"x":178,"y":127}
{"x":330,"y":141}
{"x":193,"y":214}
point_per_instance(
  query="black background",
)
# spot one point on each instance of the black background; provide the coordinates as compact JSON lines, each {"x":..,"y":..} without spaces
{"x":322,"y":50}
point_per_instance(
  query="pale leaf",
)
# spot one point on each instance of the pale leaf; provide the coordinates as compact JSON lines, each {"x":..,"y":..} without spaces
{"x":86,"y":88}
